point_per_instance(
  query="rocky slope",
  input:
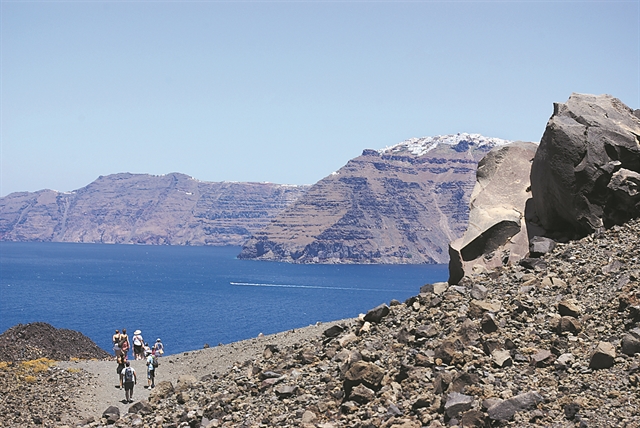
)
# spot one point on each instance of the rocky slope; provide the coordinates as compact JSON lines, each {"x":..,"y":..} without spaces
{"x":551,"y":342}
{"x":36,"y":340}
{"x":402,"y":204}
{"x":171,"y":209}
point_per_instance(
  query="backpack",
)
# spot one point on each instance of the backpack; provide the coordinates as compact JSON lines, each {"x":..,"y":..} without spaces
{"x":128,"y":374}
{"x":155,"y":362}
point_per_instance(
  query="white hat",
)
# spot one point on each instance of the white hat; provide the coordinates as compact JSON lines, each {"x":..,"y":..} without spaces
{"x":137,"y":332}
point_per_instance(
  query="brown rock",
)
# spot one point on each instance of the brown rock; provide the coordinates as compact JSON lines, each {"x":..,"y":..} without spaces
{"x":603,"y":356}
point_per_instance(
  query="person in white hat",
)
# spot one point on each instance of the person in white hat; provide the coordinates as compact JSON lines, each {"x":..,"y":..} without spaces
{"x":138,"y":342}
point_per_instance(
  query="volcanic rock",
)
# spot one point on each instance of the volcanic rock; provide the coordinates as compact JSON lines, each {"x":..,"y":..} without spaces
{"x":31,"y":341}
{"x":497,"y":232}
{"x":603,"y":357}
{"x":376,"y":314}
{"x":585,"y":172}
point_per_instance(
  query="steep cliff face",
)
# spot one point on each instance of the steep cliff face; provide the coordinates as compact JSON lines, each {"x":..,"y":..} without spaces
{"x":402,"y":204}
{"x":172,"y":209}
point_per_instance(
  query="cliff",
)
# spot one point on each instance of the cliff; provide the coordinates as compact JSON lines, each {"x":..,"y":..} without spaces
{"x":172,"y":209}
{"x":402,"y":204}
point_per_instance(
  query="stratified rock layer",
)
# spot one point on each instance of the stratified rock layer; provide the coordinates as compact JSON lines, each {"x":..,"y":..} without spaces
{"x":586,"y":173}
{"x":171,"y":209}
{"x":403,"y":204}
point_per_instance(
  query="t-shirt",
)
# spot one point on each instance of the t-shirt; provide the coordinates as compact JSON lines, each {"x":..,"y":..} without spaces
{"x":128,"y":370}
{"x":137,"y":340}
{"x":150,"y":362}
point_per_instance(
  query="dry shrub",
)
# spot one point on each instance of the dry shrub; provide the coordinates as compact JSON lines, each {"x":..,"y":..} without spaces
{"x":37,"y":366}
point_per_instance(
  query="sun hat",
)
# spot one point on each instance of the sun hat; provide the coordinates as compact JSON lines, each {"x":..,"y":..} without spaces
{"x":137,"y":332}
{"x":158,"y":340}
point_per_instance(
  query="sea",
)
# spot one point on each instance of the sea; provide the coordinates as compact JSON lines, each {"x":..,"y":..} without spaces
{"x":187,"y":296}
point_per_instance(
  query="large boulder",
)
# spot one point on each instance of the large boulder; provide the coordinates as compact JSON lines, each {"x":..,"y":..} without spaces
{"x":586,"y":172}
{"x":497,"y":230}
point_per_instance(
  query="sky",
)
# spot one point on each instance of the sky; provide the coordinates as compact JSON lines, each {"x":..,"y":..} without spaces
{"x":286,"y":91}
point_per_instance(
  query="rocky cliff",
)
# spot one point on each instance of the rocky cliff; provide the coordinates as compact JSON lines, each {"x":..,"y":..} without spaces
{"x":171,"y":209}
{"x":402,"y":204}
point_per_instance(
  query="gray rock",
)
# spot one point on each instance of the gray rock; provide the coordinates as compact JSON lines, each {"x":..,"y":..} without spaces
{"x":540,"y":245}
{"x":111,"y":414}
{"x":334,"y":331}
{"x":496,"y":233}
{"x":587,"y":141}
{"x":286,"y":391}
{"x":376,"y":314}
{"x":488,"y":323}
{"x":479,"y":292}
{"x":457,"y":403}
{"x":569,"y":308}
{"x":427,"y":288}
{"x":141,"y":407}
{"x":426,"y":331}
{"x":631,"y":342}
{"x":502,"y":358}
{"x":506,"y":410}
{"x":361,"y":394}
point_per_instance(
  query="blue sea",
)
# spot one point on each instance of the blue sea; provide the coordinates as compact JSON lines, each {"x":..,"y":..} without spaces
{"x":187,"y":296}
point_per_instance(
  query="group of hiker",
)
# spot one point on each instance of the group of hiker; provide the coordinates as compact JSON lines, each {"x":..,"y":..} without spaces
{"x":141,"y":350}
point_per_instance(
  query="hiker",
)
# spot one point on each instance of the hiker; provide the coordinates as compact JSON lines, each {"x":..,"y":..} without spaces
{"x":120,"y":361}
{"x":146,"y":348}
{"x":124,"y":344}
{"x":152,"y":364}
{"x":115,"y":340}
{"x":158,"y":348}
{"x":130,"y":380}
{"x":138,"y":342}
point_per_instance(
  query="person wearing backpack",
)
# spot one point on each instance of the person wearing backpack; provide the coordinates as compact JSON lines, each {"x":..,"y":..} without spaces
{"x":158,"y":348}
{"x":130,"y":379}
{"x":152,"y":365}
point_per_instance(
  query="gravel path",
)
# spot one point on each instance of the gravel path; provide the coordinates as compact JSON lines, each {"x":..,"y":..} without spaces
{"x":102,"y":391}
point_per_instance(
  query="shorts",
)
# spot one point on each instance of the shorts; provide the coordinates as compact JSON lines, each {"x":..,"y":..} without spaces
{"x":119,"y":368}
{"x":137,"y":349}
{"x":128,"y":386}
{"x":150,"y":373}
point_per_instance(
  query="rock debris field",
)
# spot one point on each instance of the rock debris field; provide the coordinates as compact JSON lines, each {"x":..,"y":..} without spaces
{"x":550,"y":342}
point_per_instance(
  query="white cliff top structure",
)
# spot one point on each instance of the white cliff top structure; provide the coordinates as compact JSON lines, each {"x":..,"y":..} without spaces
{"x":421,"y":146}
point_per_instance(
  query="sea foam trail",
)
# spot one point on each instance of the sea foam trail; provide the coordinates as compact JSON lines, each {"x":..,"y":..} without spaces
{"x":251,"y":284}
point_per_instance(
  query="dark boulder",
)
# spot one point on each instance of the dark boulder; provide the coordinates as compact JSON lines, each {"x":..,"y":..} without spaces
{"x":376,"y":314}
{"x":112,"y":414}
{"x":585,"y":173}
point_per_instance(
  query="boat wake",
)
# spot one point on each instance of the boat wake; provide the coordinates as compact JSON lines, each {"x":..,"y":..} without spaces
{"x":253,"y":284}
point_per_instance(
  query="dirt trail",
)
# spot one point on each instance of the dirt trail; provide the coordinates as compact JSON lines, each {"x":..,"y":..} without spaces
{"x":101,"y":391}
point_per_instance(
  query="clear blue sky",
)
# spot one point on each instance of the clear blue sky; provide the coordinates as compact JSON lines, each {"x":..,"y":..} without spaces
{"x":287,"y":92}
